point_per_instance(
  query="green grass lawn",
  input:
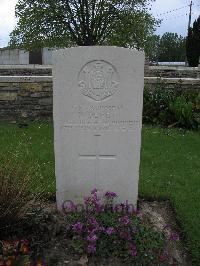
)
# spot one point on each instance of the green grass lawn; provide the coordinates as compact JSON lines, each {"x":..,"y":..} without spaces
{"x":170,"y":168}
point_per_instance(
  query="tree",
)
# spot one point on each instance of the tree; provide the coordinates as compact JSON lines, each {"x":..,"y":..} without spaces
{"x":193,"y":44}
{"x":152,"y":47}
{"x":172,"y":48}
{"x":63,"y":23}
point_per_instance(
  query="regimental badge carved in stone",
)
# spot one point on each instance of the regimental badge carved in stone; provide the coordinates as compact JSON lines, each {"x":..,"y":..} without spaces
{"x":98,"y":80}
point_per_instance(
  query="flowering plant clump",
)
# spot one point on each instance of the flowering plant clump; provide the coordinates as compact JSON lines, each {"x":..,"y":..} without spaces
{"x":16,"y":253}
{"x":104,"y":229}
{"x":12,"y":252}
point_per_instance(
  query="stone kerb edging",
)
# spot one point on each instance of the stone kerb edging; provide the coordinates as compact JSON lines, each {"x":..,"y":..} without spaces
{"x":25,"y":79}
{"x":157,"y":80}
{"x":178,"y":68}
{"x":175,"y":68}
{"x":25,"y":66}
{"x":148,"y":80}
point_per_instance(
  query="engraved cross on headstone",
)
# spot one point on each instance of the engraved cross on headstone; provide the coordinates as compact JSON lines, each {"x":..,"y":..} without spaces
{"x":97,"y":156}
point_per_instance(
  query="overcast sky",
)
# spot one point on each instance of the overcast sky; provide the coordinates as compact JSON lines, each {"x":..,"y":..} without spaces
{"x":174,"y":21}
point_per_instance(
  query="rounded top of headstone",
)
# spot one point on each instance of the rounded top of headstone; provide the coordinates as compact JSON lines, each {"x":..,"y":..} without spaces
{"x":117,"y":49}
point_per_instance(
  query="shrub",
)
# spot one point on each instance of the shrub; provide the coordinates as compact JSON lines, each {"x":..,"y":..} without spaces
{"x":182,"y":111}
{"x":16,"y":196}
{"x":156,"y":105}
{"x":103,"y":229}
{"x":171,"y":107}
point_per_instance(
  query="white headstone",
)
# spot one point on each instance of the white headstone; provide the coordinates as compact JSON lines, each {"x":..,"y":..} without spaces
{"x":98,"y":95}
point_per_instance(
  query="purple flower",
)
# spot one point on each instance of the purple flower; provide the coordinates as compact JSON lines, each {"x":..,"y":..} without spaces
{"x":174,"y":237}
{"x":93,"y":231}
{"x":91,"y":248}
{"x":117,"y":208}
{"x":133,"y":250}
{"x":137,"y":212}
{"x":132,"y":211}
{"x":110,"y":230}
{"x":92,"y":221}
{"x":98,"y":207}
{"x":87,"y":200}
{"x":77,"y":227}
{"x":110,"y":195}
{"x":68,"y":206}
{"x":94,"y":190}
{"x":125,"y":220}
{"x":92,"y":238}
{"x":101,"y":228}
{"x":93,"y":202}
{"x":164,"y":256}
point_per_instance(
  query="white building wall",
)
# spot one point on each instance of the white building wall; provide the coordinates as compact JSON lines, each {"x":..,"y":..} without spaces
{"x":6,"y":56}
{"x":21,"y":57}
{"x":47,"y":56}
{"x":13,"y":57}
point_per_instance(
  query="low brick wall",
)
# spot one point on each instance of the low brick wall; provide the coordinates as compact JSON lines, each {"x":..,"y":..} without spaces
{"x":25,"y":98}
{"x":173,"y":83}
{"x":30,"y":97}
